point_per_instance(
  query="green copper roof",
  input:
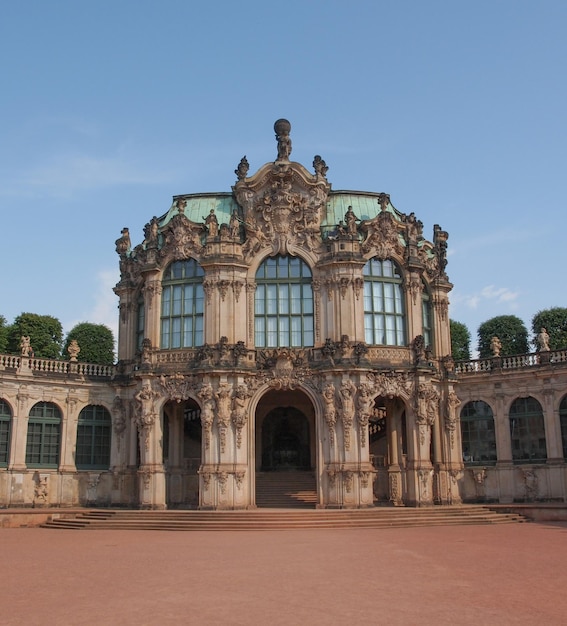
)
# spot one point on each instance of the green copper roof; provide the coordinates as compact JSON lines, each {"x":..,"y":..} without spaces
{"x":364,"y":204}
{"x":200,"y":205}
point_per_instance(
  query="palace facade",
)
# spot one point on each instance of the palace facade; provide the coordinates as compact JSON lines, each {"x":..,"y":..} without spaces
{"x":283,"y":327}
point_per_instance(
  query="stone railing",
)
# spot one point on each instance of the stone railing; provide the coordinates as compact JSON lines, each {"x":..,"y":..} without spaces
{"x":55,"y":366}
{"x":513,"y":362}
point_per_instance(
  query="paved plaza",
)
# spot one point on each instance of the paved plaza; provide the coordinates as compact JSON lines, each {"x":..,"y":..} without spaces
{"x":509,"y":574}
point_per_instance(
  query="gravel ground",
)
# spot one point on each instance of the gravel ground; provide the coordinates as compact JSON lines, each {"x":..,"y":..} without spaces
{"x":497,"y":575}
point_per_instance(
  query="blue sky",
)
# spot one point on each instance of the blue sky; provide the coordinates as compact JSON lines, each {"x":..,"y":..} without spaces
{"x":456,"y":109}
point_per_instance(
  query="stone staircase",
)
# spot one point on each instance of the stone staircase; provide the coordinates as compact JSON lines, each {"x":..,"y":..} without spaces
{"x":286,"y":490}
{"x":282,"y":519}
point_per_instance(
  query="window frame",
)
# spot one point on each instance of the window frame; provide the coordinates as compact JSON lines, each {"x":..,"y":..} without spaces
{"x":383,"y":327}
{"x":479,"y":414}
{"x":532,"y":423}
{"x":45,"y":420}
{"x":182,"y":288}
{"x":284,"y":307}
{"x":97,"y":419}
{"x":5,"y":432}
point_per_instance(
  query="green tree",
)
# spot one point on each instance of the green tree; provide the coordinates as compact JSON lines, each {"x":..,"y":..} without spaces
{"x":511,"y":331}
{"x":96,"y":342}
{"x":45,"y":333}
{"x":3,"y":334}
{"x":460,"y":341}
{"x":554,"y":321}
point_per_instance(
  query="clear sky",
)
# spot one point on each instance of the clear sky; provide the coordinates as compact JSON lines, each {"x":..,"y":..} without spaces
{"x":456,"y":109}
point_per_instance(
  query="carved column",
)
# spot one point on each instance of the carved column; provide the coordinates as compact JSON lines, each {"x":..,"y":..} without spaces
{"x":127,"y":320}
{"x":152,"y":301}
{"x":151,"y":476}
{"x":19,"y":429}
{"x":394,"y":424}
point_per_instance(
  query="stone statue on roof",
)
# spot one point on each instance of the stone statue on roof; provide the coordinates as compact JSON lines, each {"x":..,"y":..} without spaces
{"x":282,"y":128}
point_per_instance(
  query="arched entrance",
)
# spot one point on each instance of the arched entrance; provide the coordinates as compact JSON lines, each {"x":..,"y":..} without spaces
{"x":182,"y":453}
{"x":285,"y":450}
{"x":387,"y":436}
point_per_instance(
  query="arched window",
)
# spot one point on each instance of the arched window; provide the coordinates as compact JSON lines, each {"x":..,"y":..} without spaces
{"x":182,"y":302}
{"x":140,"y":323}
{"x":563,"y":422}
{"x":528,"y":431}
{"x":384,"y":315}
{"x":283,"y":304}
{"x":5,"y":421}
{"x":426,"y":316}
{"x":93,"y":438}
{"x":44,"y":436}
{"x":477,"y":433}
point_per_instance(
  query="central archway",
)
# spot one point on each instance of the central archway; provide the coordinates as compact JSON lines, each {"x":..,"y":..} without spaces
{"x":285,"y":450}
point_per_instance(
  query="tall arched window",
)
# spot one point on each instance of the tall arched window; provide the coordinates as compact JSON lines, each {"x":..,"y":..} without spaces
{"x":182,"y":305}
{"x":44,"y":435}
{"x":563,"y":422}
{"x":283,"y":304}
{"x":528,"y":431}
{"x":5,"y":421}
{"x":93,"y":438}
{"x":384,"y":314}
{"x":477,"y":433}
{"x":426,"y":316}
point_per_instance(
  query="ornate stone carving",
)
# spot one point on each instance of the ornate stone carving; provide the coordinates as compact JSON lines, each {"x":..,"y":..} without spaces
{"x":348,"y":478}
{"x":238,"y":478}
{"x":177,"y":386}
{"x":390,"y":384}
{"x":242,"y":170}
{"x":418,"y":348}
{"x":223,"y":396}
{"x":451,"y":417}
{"x":440,"y":242}
{"x":395,"y":494}
{"x":237,"y":288}
{"x":151,"y":290}
{"x":414,"y":287}
{"x":123,"y":243}
{"x":426,"y":409}
{"x":382,"y":234}
{"x":182,"y":238}
{"x":282,"y":203}
{"x":330,"y":413}
{"x":222,"y":479}
{"x":118,"y":418}
{"x":239,"y":417}
{"x":207,"y":411}
{"x":73,"y":350}
{"x":364,"y":405}
{"x":358,"y":285}
{"x":319,"y":166}
{"x":441,"y":305}
{"x":147,"y":414}
{"x":41,"y":489}
{"x":282,"y":128}
{"x":25,"y":346}
{"x":364,"y":478}
{"x":346,"y":394}
{"x":288,"y":367}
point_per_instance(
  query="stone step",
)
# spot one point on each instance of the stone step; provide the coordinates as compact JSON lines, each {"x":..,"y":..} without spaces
{"x":286,"y":489}
{"x":279,"y":519}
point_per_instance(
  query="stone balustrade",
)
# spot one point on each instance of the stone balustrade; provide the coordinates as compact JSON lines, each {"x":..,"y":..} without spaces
{"x":513,"y":362}
{"x":55,"y":366}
